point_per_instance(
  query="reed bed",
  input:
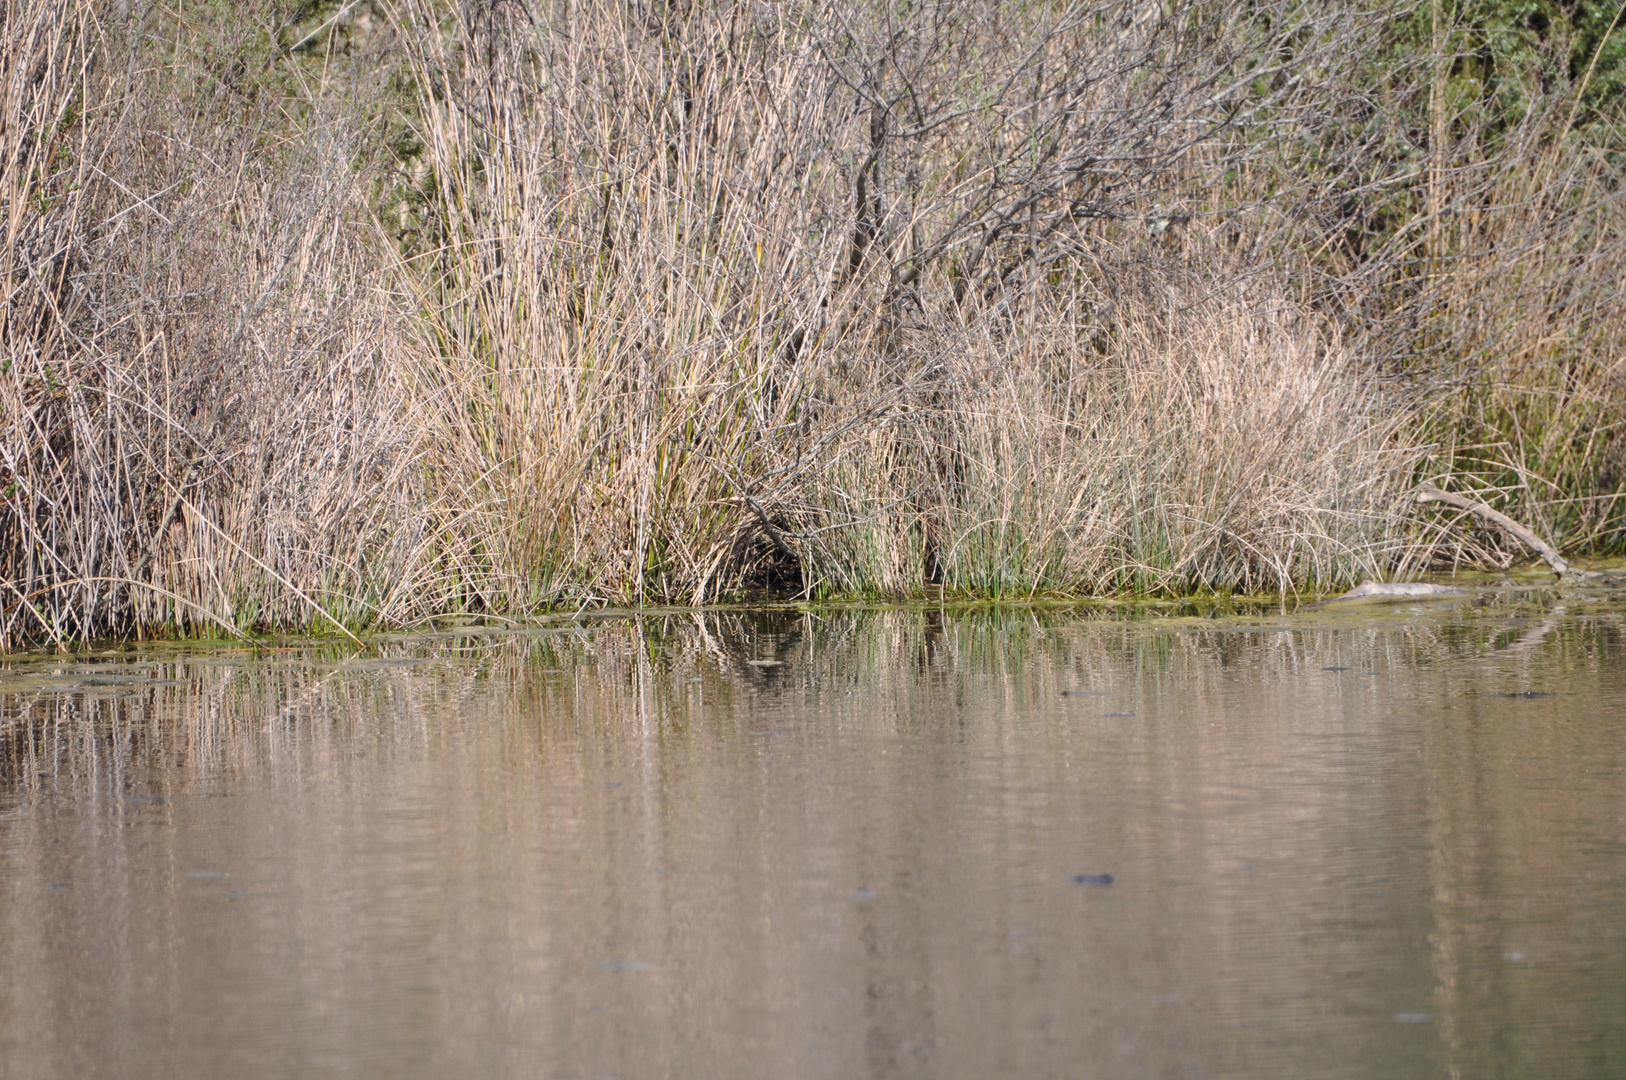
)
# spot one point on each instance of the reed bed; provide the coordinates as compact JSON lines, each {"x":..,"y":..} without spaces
{"x":202,"y":419}
{"x":339,"y":315}
{"x":1515,"y":296}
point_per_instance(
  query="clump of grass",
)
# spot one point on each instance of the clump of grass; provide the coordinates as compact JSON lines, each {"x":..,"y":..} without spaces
{"x":1205,"y":443}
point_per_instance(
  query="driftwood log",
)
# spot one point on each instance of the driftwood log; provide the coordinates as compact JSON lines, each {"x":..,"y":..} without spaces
{"x":1428,"y":493}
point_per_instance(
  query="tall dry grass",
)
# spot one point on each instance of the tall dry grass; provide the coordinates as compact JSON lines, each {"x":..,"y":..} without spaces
{"x":1505,"y":309}
{"x":862,"y":300}
{"x":202,"y":403}
{"x":336,"y":315}
{"x":1220,"y":442}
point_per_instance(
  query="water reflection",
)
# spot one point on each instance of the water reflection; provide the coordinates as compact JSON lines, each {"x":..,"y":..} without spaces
{"x":830,"y":844}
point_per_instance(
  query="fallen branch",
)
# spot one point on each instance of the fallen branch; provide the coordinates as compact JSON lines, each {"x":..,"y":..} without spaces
{"x":1428,"y":493}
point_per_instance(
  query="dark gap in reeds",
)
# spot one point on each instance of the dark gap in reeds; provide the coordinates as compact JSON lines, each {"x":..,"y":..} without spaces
{"x":352,"y":314}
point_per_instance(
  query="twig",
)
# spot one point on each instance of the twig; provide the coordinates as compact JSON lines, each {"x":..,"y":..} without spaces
{"x":134,"y":584}
{"x":29,"y":604}
{"x":164,"y":522}
{"x":768,"y":526}
{"x":755,"y":507}
{"x":290,"y":586}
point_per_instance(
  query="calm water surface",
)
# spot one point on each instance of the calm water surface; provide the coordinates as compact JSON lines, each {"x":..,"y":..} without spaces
{"x":1385,"y":842}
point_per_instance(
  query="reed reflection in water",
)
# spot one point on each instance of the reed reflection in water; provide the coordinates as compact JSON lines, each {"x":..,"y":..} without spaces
{"x":835,"y":844}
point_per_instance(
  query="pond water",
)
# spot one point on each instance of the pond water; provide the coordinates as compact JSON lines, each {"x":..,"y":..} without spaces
{"x":1357,"y":841}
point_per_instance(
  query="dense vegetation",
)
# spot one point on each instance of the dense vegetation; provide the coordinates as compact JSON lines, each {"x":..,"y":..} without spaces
{"x":360,"y":312}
